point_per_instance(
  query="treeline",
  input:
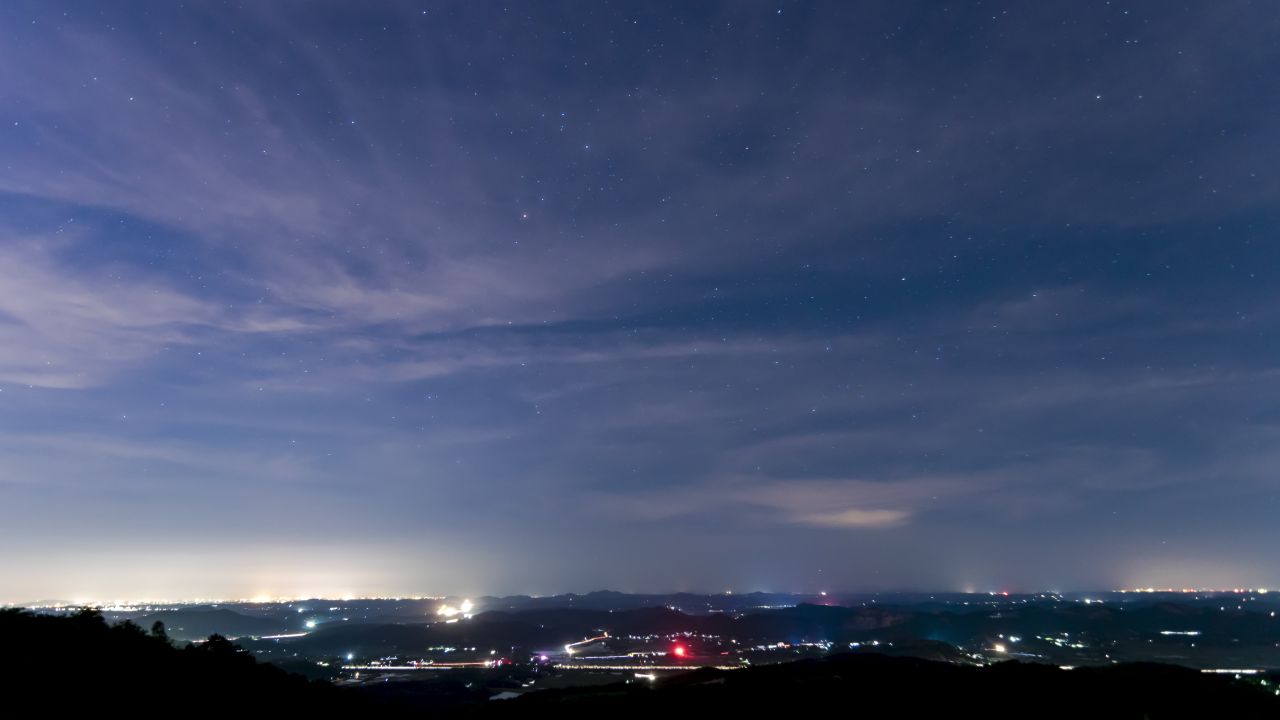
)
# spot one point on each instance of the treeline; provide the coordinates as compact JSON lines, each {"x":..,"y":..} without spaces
{"x":76,"y":663}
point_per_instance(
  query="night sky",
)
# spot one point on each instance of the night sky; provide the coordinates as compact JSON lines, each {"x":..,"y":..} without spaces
{"x":425,"y":297}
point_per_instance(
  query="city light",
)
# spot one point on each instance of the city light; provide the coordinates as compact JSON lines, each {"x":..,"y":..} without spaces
{"x":449,"y":611}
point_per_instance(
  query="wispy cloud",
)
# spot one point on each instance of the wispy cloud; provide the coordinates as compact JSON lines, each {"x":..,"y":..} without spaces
{"x":63,"y":331}
{"x":387,"y":267}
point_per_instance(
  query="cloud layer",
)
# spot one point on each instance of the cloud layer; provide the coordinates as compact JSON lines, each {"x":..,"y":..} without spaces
{"x":623,"y":297}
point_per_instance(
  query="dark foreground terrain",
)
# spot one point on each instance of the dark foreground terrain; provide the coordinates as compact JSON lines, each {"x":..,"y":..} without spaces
{"x":52,"y":665}
{"x":56,"y":665}
{"x":910,"y":687}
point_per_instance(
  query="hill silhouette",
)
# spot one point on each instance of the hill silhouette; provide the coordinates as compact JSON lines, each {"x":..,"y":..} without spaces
{"x":79,"y":662}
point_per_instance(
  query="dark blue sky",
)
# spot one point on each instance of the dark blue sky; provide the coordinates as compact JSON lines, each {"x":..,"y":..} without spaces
{"x":426,"y":297}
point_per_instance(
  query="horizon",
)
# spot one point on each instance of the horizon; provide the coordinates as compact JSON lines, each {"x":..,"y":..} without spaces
{"x":51,"y":603}
{"x":362,"y":298}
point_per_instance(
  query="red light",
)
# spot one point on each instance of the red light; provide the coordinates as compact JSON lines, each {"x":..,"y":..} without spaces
{"x":679,"y":651}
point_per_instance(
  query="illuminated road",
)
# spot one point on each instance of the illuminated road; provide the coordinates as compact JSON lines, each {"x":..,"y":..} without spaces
{"x":424,"y":666}
{"x":644,"y":667}
{"x":570,"y":647}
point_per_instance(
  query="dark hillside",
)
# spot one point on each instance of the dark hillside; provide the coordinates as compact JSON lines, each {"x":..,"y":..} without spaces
{"x":911,"y":687}
{"x":77,"y":663}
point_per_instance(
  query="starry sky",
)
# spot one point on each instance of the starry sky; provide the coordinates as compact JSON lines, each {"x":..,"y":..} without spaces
{"x":430,"y":297}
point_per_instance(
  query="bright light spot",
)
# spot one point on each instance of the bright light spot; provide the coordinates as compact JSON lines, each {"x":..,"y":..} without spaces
{"x":679,"y":651}
{"x":311,"y":624}
{"x":998,"y":648}
{"x":449,"y":611}
{"x":350,"y":656}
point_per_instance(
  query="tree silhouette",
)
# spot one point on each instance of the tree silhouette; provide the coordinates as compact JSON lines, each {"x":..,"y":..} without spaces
{"x":103,"y":667}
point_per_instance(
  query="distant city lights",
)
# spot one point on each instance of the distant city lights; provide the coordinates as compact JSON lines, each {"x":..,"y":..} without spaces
{"x":448,"y":611}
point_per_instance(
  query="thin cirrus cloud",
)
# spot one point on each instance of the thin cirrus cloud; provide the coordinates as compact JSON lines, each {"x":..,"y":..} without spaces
{"x":60,"y":331}
{"x":259,"y":183}
{"x":768,"y":277}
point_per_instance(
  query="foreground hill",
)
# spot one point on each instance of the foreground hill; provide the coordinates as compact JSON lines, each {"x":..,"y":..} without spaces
{"x":68,"y":664}
{"x":882,"y":686}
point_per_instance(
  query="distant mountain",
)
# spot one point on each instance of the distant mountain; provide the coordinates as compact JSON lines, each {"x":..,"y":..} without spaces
{"x":199,"y":623}
{"x":692,"y":603}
